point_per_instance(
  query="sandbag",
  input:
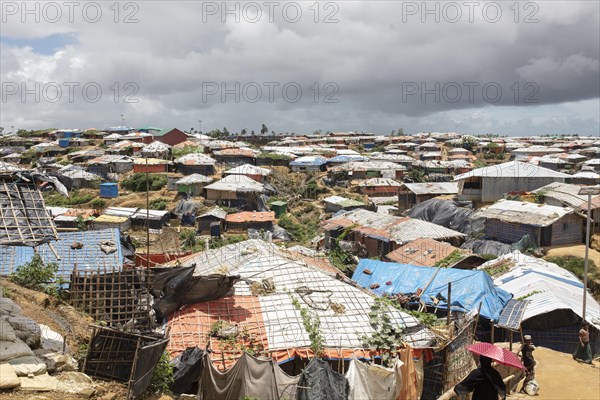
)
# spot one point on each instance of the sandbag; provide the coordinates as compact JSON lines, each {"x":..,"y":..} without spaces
{"x":8,"y":378}
{"x":7,"y":333}
{"x":27,"y":330}
{"x":27,"y":365}
{"x":8,"y":307}
{"x":12,"y":350}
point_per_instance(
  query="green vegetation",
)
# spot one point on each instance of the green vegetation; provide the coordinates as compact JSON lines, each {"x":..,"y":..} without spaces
{"x":427,"y":319}
{"x":158,"y":204}
{"x":450,"y":259}
{"x":76,"y":197}
{"x":216,"y":243}
{"x":24,"y":133}
{"x":37,"y":276}
{"x":386,"y":337}
{"x":529,"y":294}
{"x":539,"y":196}
{"x":162,"y":376}
{"x":274,"y":156}
{"x":303,"y":224}
{"x":312,"y":326}
{"x":182,"y":151}
{"x":98,"y":203}
{"x":499,"y":267}
{"x":576,"y":266}
{"x":189,"y":240}
{"x":312,"y":190}
{"x":416,"y":175}
{"x":138,"y":181}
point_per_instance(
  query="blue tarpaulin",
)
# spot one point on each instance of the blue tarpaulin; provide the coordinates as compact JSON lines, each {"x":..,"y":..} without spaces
{"x":469,"y":288}
{"x":88,"y":257}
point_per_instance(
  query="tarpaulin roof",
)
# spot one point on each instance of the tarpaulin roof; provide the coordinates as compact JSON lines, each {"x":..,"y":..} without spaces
{"x":271,"y":316}
{"x":89,"y":257}
{"x":469,"y":288}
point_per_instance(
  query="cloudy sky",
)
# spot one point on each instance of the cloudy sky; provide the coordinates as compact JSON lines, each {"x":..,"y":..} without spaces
{"x":478,"y":67}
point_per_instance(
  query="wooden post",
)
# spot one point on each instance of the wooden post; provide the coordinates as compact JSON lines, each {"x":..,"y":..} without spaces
{"x":511,"y":340}
{"x":147,"y":216}
{"x":492,"y":336}
{"x":449,"y":302}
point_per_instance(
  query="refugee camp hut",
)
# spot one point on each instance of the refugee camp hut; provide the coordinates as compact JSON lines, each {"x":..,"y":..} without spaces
{"x":508,"y":221}
{"x":410,"y":194}
{"x":344,"y":158}
{"x":195,"y":163}
{"x":193,"y":184}
{"x":242,"y":221}
{"x":488,"y":184}
{"x":126,"y":148}
{"x":251,"y":171}
{"x":334,"y":204}
{"x":154,"y":219}
{"x":421,"y":252}
{"x":72,"y":250}
{"x":74,"y":218}
{"x":308,"y":163}
{"x":585,"y":178}
{"x":105,"y":221}
{"x":215,"y":217}
{"x":554,"y":163}
{"x":110,"y":164}
{"x":469,"y":288}
{"x":153,"y":130}
{"x":430,"y":155}
{"x":393,"y":156}
{"x":379,"y":187}
{"x":170,"y":136}
{"x":150,"y":165}
{"x":13,"y":158}
{"x":82,"y":156}
{"x":139,"y":137}
{"x":553,"y":314}
{"x":235,"y":190}
{"x":375,"y":234}
{"x":567,"y":195}
{"x":113,"y":138}
{"x":76,"y":177}
{"x":109,"y":190}
{"x":591,"y":165}
{"x":532,"y":151}
{"x":157,"y":149}
{"x":236,"y":156}
{"x":25,"y":219}
{"x":272,"y":313}
{"x":369,"y":169}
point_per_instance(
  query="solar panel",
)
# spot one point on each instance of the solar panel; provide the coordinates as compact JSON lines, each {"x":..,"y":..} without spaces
{"x":512,"y":314}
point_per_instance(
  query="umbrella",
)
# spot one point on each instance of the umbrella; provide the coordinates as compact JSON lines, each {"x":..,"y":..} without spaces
{"x":503,"y":356}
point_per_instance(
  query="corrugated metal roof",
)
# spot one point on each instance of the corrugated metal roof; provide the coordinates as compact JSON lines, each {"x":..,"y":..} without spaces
{"x":374,"y":165}
{"x":374,"y":182}
{"x":524,"y":213}
{"x":512,"y":169}
{"x":90,"y":256}
{"x":236,"y":182}
{"x":194,"y":178}
{"x":195,"y":159}
{"x":433,"y":188}
{"x":248,"y":169}
{"x":547,"y":287}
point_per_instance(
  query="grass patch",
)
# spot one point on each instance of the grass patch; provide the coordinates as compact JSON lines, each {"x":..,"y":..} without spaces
{"x":450,"y":259}
{"x":58,"y":200}
{"x":138,"y":182}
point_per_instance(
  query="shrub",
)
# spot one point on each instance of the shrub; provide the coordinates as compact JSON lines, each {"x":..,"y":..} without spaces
{"x":75,"y":198}
{"x":138,"y":182}
{"x":36,"y":275}
{"x":158,"y":204}
{"x":162,"y":376}
{"x":98,"y":203}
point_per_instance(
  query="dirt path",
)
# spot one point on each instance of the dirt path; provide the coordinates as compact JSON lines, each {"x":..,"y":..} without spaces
{"x":576,"y":251}
{"x":562,"y":378}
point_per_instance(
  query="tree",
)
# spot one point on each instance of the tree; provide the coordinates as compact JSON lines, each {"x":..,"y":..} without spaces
{"x":243,"y":132}
{"x":393,"y":132}
{"x":225,"y":132}
{"x":264,"y":130}
{"x":400,"y":131}
{"x":253,"y":133}
{"x":1,"y":130}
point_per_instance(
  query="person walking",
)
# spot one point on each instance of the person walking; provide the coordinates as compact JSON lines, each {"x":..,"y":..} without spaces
{"x":529,"y":362}
{"x":584,"y":351}
{"x":485,"y":382}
